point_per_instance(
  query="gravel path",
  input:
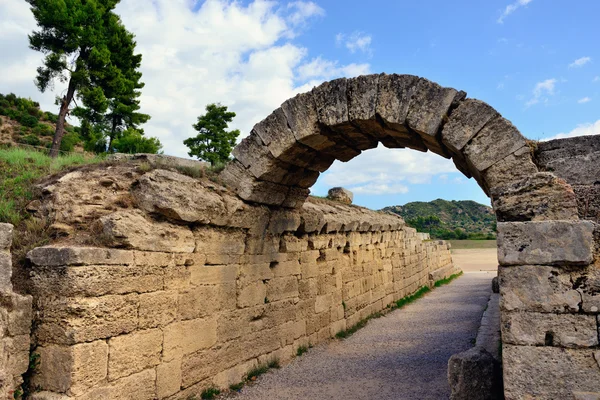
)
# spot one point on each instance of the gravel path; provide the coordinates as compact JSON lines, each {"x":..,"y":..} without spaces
{"x":403,"y":355}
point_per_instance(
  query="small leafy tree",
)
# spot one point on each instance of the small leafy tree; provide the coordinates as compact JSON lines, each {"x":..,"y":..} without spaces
{"x":213,"y":142}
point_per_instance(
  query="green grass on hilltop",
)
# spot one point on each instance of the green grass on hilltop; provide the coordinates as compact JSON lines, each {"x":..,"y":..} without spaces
{"x":20,"y":169}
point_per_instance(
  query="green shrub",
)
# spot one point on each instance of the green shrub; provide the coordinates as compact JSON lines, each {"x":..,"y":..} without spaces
{"x":210,"y":393}
{"x":48,"y":116}
{"x":28,"y":120}
{"x":69,"y":141}
{"x":43,"y":130}
{"x":31,"y":140}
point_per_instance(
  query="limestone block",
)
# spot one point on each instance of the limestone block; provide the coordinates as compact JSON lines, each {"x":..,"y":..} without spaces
{"x":331,"y":102}
{"x":545,"y":243}
{"x":548,"y":372}
{"x":539,"y":197}
{"x":132,"y":230}
{"x":96,"y":280}
{"x":75,"y":320}
{"x":257,"y":158}
{"x":301,"y":115}
{"x":72,"y":369}
{"x":561,"y":330}
{"x":48,"y":396}
{"x":465,"y":122}
{"x":251,"y":294}
{"x":537,"y":289}
{"x":340,"y":194}
{"x":213,"y":274}
{"x":586,"y":396}
{"x":178,"y":197}
{"x":186,"y":337}
{"x":6,"y":233}
{"x":286,"y":268}
{"x":206,"y":300}
{"x":395,"y":92}
{"x":53,"y":256}
{"x":576,"y":160}
{"x":254,"y":272}
{"x":19,"y":310}
{"x":275,"y":133}
{"x":513,"y":167}
{"x":293,"y":244}
{"x":15,"y":355}
{"x":210,"y":240}
{"x":5,"y":272}
{"x":282,"y":288}
{"x":157,"y":309}
{"x":475,"y":375}
{"x":311,"y":219}
{"x":296,"y":197}
{"x":168,"y":378}
{"x":251,"y":189}
{"x":161,"y":259}
{"x":140,"y":386}
{"x":323,"y":303}
{"x":498,"y":139}
{"x":134,"y":352}
{"x":284,"y":221}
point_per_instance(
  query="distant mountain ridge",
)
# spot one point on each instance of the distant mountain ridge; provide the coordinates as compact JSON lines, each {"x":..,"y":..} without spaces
{"x":443,"y":219}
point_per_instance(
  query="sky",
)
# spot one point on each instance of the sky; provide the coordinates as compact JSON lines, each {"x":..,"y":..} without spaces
{"x":536,"y":61}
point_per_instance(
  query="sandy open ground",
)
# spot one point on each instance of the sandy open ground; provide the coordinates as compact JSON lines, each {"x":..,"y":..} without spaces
{"x":475,"y":260}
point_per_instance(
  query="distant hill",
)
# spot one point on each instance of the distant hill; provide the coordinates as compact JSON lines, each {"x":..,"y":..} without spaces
{"x":444,"y":219}
{"x":23,"y":122}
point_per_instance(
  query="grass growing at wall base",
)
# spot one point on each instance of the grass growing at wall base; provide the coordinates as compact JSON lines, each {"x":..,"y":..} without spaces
{"x":422,"y":291}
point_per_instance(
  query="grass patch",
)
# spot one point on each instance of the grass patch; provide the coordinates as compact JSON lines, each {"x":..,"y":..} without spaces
{"x":274,"y":364}
{"x":236,"y":387}
{"x":20,"y":170}
{"x":301,"y":350}
{"x":256,"y":372}
{"x":447,"y":280}
{"x":210,"y":393}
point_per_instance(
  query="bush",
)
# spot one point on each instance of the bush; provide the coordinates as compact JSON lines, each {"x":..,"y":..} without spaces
{"x":69,"y":141}
{"x":48,"y":116}
{"x":28,"y":120}
{"x":43,"y":130}
{"x":31,"y":140}
{"x":33,"y":110}
{"x":133,"y":142}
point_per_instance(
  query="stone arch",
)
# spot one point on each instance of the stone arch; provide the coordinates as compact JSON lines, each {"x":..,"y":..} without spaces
{"x":285,"y":153}
{"x":546,"y":253}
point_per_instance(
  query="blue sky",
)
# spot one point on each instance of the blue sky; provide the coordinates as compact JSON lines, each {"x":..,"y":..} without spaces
{"x":537,"y":62}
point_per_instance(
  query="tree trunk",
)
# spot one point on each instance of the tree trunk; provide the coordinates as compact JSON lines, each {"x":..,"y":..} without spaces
{"x":112,"y":133}
{"x":62,"y":115}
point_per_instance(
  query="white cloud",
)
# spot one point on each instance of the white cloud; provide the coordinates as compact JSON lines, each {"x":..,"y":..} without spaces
{"x":584,"y":100}
{"x":580,"y":130}
{"x":511,"y":8}
{"x":194,"y":53}
{"x":356,"y":41}
{"x":384,"y":171}
{"x":580,"y":62}
{"x":596,"y":79}
{"x":542,"y":91}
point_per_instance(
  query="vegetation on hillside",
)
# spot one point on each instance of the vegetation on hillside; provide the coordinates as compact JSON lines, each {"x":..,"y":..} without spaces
{"x":449,"y":219}
{"x":21,"y":169}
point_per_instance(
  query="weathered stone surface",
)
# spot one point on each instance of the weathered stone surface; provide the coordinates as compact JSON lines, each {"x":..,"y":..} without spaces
{"x":497,"y":140}
{"x":537,"y":289}
{"x":301,"y":114}
{"x":133,"y":230}
{"x":134,"y":352}
{"x":6,"y":233}
{"x":588,"y":201}
{"x":177,"y":197}
{"x":5,"y":271}
{"x":560,"y":330}
{"x":576,"y":160}
{"x":362,"y":97}
{"x":73,"y":370}
{"x":495,"y":285}
{"x":475,"y":375}
{"x":465,"y":122}
{"x":548,"y":372}
{"x":340,"y":194}
{"x":428,"y":108}
{"x":53,"y":256}
{"x":393,"y":101}
{"x":513,"y":167}
{"x":255,"y":156}
{"x":539,"y":197}
{"x":250,"y":189}
{"x":211,"y":240}
{"x":181,"y":338}
{"x":545,"y":243}
{"x":168,"y":378}
{"x":331,"y":102}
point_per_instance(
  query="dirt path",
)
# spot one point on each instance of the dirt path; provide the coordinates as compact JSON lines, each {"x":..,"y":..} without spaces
{"x":403,"y":355}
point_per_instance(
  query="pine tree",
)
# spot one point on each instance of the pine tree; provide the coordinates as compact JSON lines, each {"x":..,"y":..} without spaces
{"x":213,"y":142}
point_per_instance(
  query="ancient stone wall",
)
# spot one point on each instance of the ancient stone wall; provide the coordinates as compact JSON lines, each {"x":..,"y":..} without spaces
{"x":183,"y":306}
{"x":15,"y":323}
